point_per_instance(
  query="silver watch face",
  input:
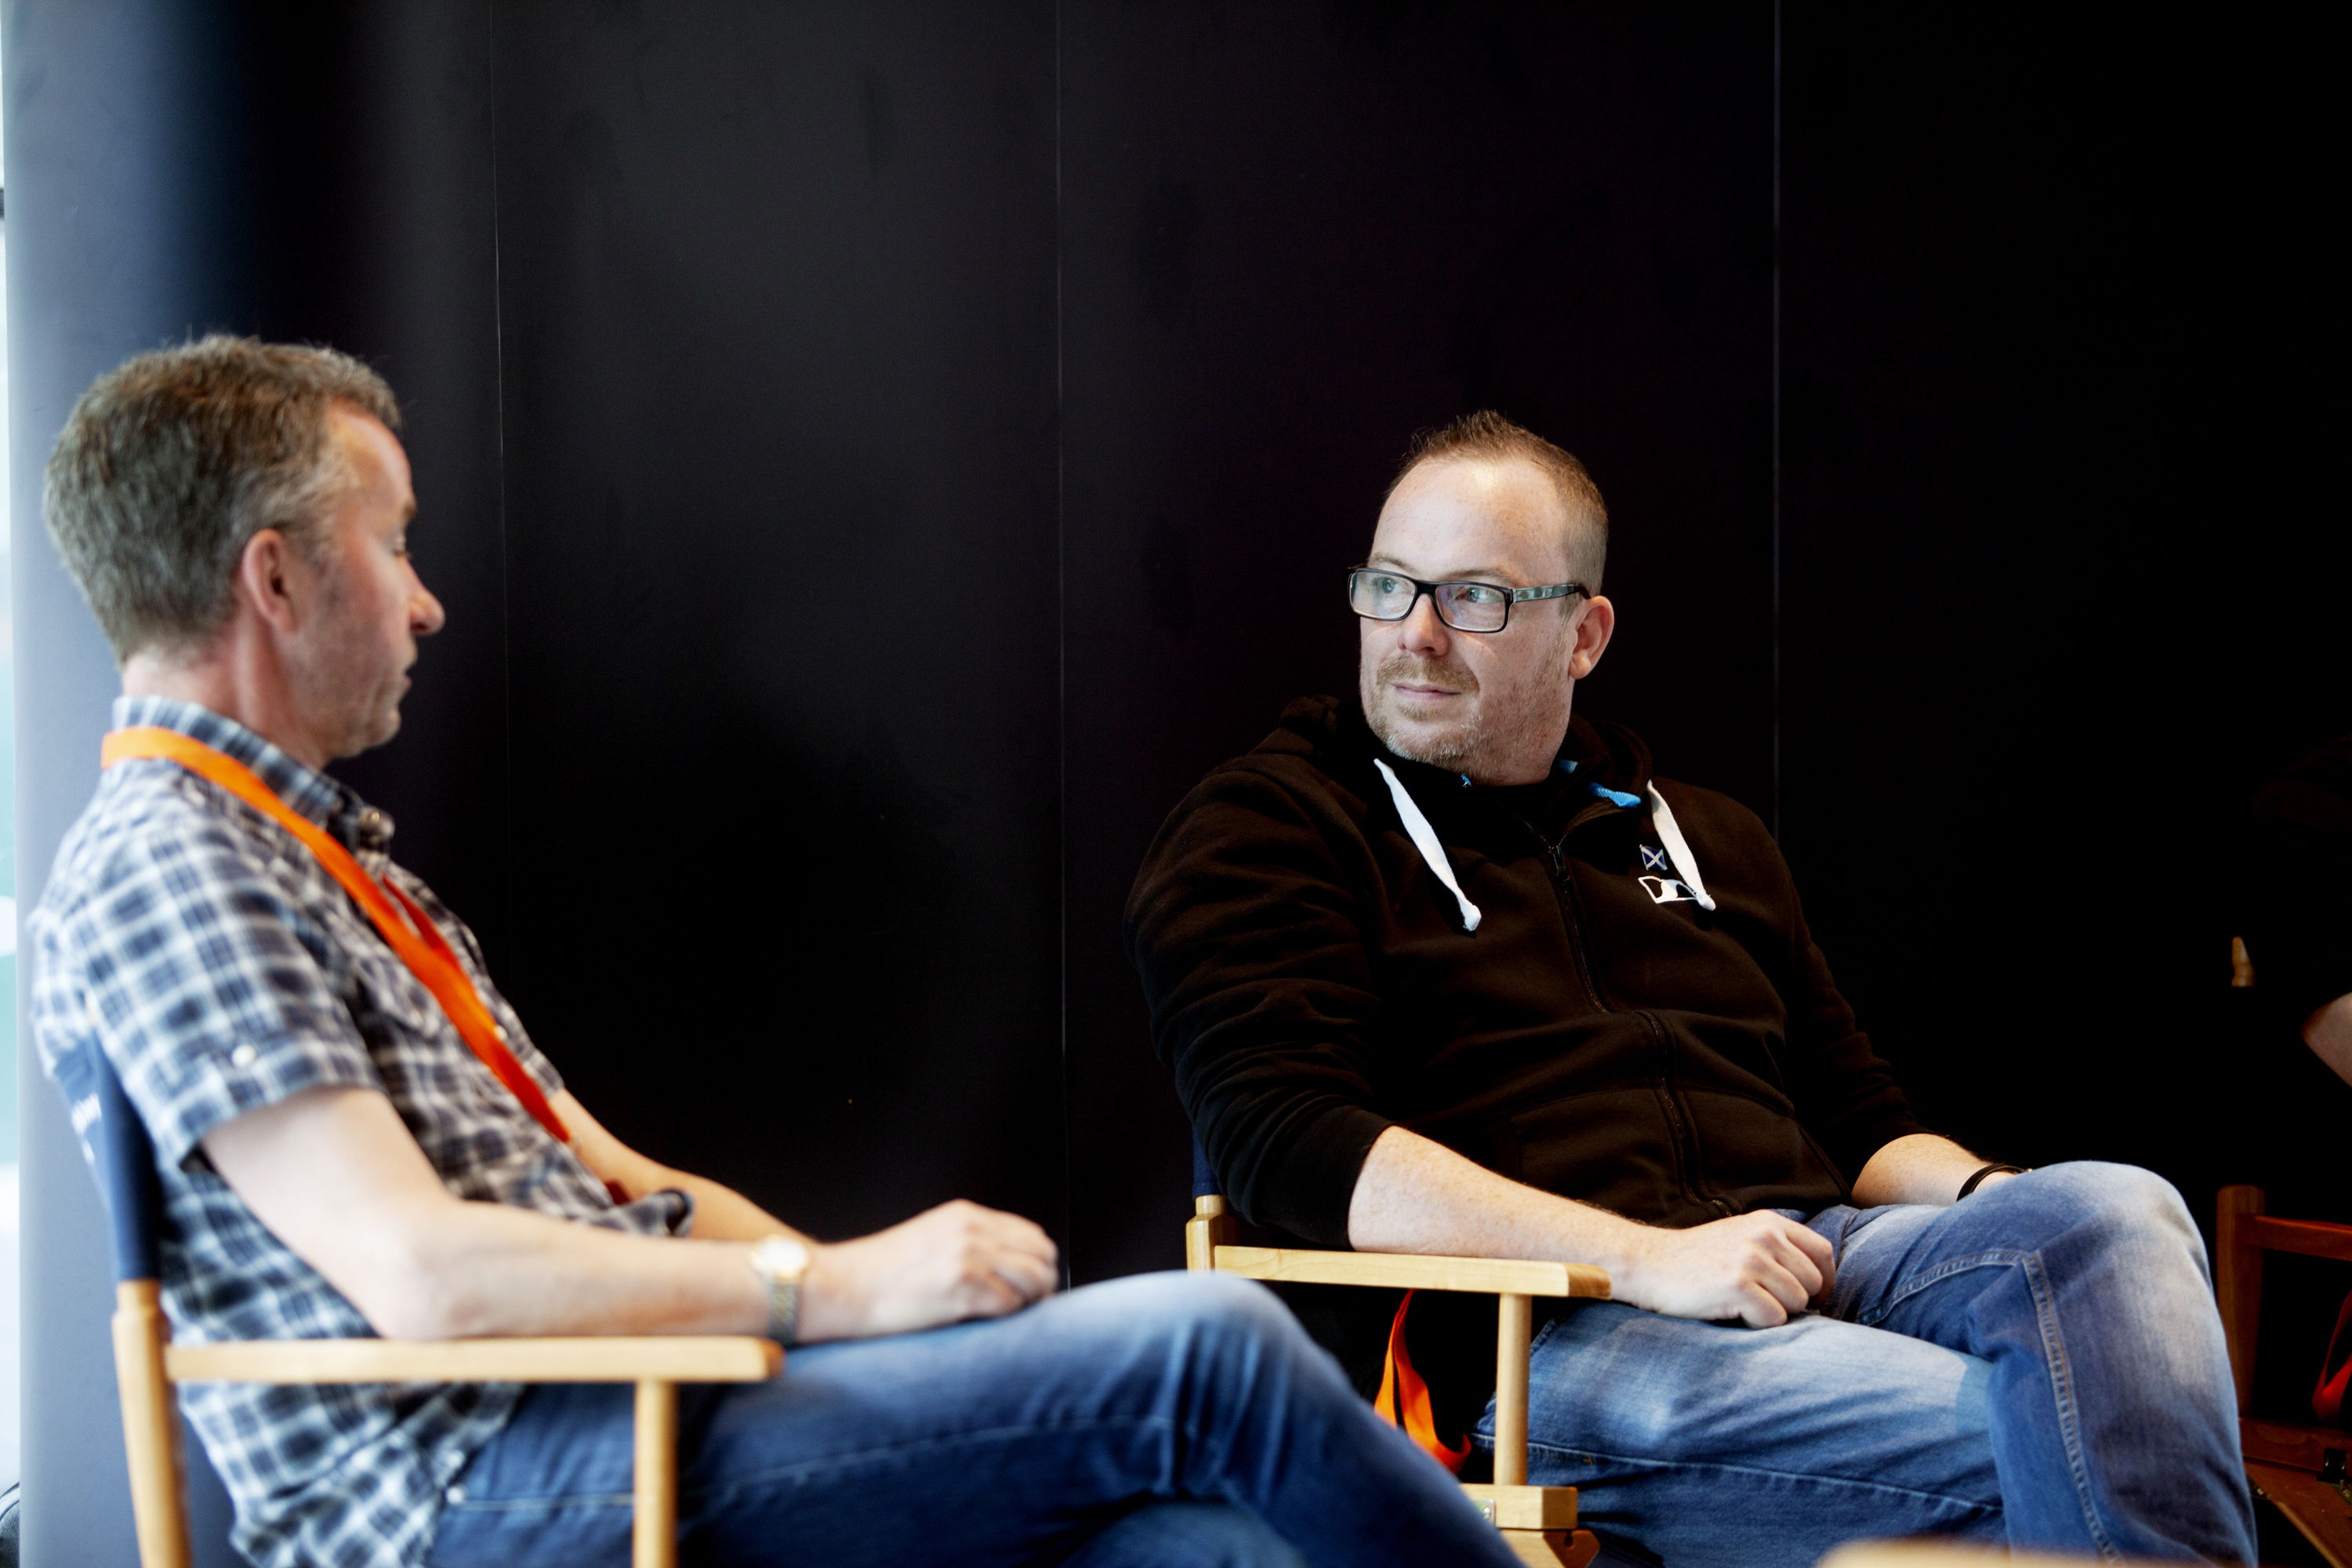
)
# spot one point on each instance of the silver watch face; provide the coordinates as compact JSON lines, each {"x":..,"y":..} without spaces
{"x":781,"y":1257}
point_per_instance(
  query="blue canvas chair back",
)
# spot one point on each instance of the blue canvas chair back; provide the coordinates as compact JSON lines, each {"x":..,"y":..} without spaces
{"x":121,"y":1157}
{"x":1205,"y":1180}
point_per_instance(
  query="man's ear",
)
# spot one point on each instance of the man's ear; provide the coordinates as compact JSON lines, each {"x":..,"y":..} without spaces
{"x":1593,"y":631}
{"x":272,"y":580}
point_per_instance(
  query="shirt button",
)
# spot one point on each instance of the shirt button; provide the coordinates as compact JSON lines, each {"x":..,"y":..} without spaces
{"x":244,"y":1055}
{"x":455,"y":1494}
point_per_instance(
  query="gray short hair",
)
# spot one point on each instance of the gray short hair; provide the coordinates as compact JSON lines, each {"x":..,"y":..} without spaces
{"x":172,"y":460}
{"x":1486,"y":433}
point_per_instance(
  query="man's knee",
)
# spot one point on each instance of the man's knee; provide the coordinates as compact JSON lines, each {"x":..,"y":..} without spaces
{"x":2111,"y":1204}
{"x":1216,"y":1307}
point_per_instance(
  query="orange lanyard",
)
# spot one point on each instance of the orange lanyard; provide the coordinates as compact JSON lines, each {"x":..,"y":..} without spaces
{"x":418,"y":940}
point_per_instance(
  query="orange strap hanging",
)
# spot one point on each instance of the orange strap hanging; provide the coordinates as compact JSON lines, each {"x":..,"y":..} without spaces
{"x":1404,"y":1398}
{"x":2332,"y":1400}
{"x":418,"y":940}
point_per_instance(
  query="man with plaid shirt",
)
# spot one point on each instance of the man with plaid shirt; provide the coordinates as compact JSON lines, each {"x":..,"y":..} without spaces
{"x":342,"y":1156}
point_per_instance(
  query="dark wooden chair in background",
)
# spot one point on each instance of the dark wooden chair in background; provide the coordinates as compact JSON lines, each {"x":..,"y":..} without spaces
{"x":1537,"y":1523}
{"x":147,"y":1364}
{"x":2301,"y":1468}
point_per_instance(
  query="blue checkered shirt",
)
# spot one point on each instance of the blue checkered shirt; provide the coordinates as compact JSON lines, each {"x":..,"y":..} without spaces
{"x":222,"y":969}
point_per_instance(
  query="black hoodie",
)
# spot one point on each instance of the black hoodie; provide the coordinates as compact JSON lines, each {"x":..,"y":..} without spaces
{"x":1601,"y":1033}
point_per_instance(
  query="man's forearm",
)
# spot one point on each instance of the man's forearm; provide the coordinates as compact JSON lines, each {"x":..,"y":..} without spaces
{"x":1417,"y":1195}
{"x":720,"y":1213}
{"x":336,"y":1174}
{"x":492,"y":1269}
{"x":1414,"y":1196}
{"x":1920,"y":1168}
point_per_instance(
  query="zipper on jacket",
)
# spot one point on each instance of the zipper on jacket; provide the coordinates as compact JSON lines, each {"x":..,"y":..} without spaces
{"x":1678,"y":1120}
{"x":1563,"y":888}
{"x":1680,"y":1136}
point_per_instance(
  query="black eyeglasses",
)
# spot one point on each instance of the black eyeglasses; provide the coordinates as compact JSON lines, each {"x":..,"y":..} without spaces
{"x":1379,"y":596}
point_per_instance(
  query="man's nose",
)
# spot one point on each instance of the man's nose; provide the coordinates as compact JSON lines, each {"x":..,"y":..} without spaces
{"x":425,"y":614}
{"x":1422,"y":631}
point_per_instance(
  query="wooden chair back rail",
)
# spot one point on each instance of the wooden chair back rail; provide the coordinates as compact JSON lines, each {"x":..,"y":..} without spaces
{"x":2283,"y":1461}
{"x":147,"y":1364}
{"x":2305,"y":1238}
{"x":1538,"y":1523}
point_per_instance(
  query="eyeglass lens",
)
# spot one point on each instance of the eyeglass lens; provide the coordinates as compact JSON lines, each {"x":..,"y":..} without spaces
{"x":1464,"y":606}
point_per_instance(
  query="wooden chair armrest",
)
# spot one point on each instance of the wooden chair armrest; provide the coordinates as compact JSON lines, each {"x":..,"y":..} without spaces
{"x":1412,"y":1271}
{"x":682,"y":1358}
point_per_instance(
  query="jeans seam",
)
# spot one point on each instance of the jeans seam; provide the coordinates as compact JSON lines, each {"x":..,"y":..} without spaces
{"x":1975,"y":1505}
{"x":526,"y":1505}
{"x":2053,"y":1346}
{"x":713,"y":1493}
{"x":2062,"y":1385}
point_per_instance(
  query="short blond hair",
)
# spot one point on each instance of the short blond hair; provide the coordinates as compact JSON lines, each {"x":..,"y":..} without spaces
{"x":1486,"y":433}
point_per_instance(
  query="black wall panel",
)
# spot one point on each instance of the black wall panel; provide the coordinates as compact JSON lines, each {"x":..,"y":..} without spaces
{"x":1293,"y":234}
{"x":2064,"y":557}
{"x":777,"y":294}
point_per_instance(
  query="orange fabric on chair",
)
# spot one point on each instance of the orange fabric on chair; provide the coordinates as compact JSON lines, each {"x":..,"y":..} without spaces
{"x":1403,"y":1399}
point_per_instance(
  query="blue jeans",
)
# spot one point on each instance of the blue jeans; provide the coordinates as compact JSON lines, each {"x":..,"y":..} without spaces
{"x":1165,"y":1419}
{"x":2041,"y":1365}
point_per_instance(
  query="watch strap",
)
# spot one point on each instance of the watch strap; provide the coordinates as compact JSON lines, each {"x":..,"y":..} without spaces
{"x":1970,"y":1184}
{"x":783,"y":1292}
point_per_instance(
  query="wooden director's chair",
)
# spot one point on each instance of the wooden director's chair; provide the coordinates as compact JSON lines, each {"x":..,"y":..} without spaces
{"x":2300,"y":1468}
{"x":1538,"y":1522}
{"x":147,"y":1364}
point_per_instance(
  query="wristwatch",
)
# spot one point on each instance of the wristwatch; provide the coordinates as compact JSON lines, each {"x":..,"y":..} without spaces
{"x":780,"y":1261}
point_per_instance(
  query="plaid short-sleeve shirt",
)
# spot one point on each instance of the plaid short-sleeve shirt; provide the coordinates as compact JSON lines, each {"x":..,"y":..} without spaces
{"x":222,"y":969}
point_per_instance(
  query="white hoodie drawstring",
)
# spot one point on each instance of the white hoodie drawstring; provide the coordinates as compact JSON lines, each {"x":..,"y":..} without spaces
{"x":1424,"y":838}
{"x":1678,"y":849}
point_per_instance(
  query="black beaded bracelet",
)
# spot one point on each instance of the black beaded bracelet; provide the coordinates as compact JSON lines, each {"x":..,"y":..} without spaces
{"x":1970,"y":1184}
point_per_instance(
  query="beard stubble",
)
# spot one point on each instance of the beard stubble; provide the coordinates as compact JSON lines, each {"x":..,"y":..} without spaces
{"x":1485,"y":735}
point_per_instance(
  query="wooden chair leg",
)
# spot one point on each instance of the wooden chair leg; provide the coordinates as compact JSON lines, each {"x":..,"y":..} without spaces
{"x":150,"y":1425}
{"x":1538,"y":1523}
{"x":2238,"y":1283}
{"x":1517,"y":1316}
{"x":656,"y":1487}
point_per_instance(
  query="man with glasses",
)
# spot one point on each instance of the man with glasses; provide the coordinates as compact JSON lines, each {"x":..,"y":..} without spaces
{"x":1446,"y":968}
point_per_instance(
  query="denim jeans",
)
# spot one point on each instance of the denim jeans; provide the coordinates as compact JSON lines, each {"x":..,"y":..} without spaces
{"x":2040,"y":1364}
{"x":1166,"y":1419}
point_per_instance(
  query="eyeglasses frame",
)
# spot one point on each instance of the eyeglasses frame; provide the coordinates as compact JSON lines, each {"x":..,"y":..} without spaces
{"x":1421,"y":589}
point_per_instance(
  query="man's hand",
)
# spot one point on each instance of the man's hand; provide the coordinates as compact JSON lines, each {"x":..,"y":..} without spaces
{"x":1759,"y":1268}
{"x":956,"y":1261}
